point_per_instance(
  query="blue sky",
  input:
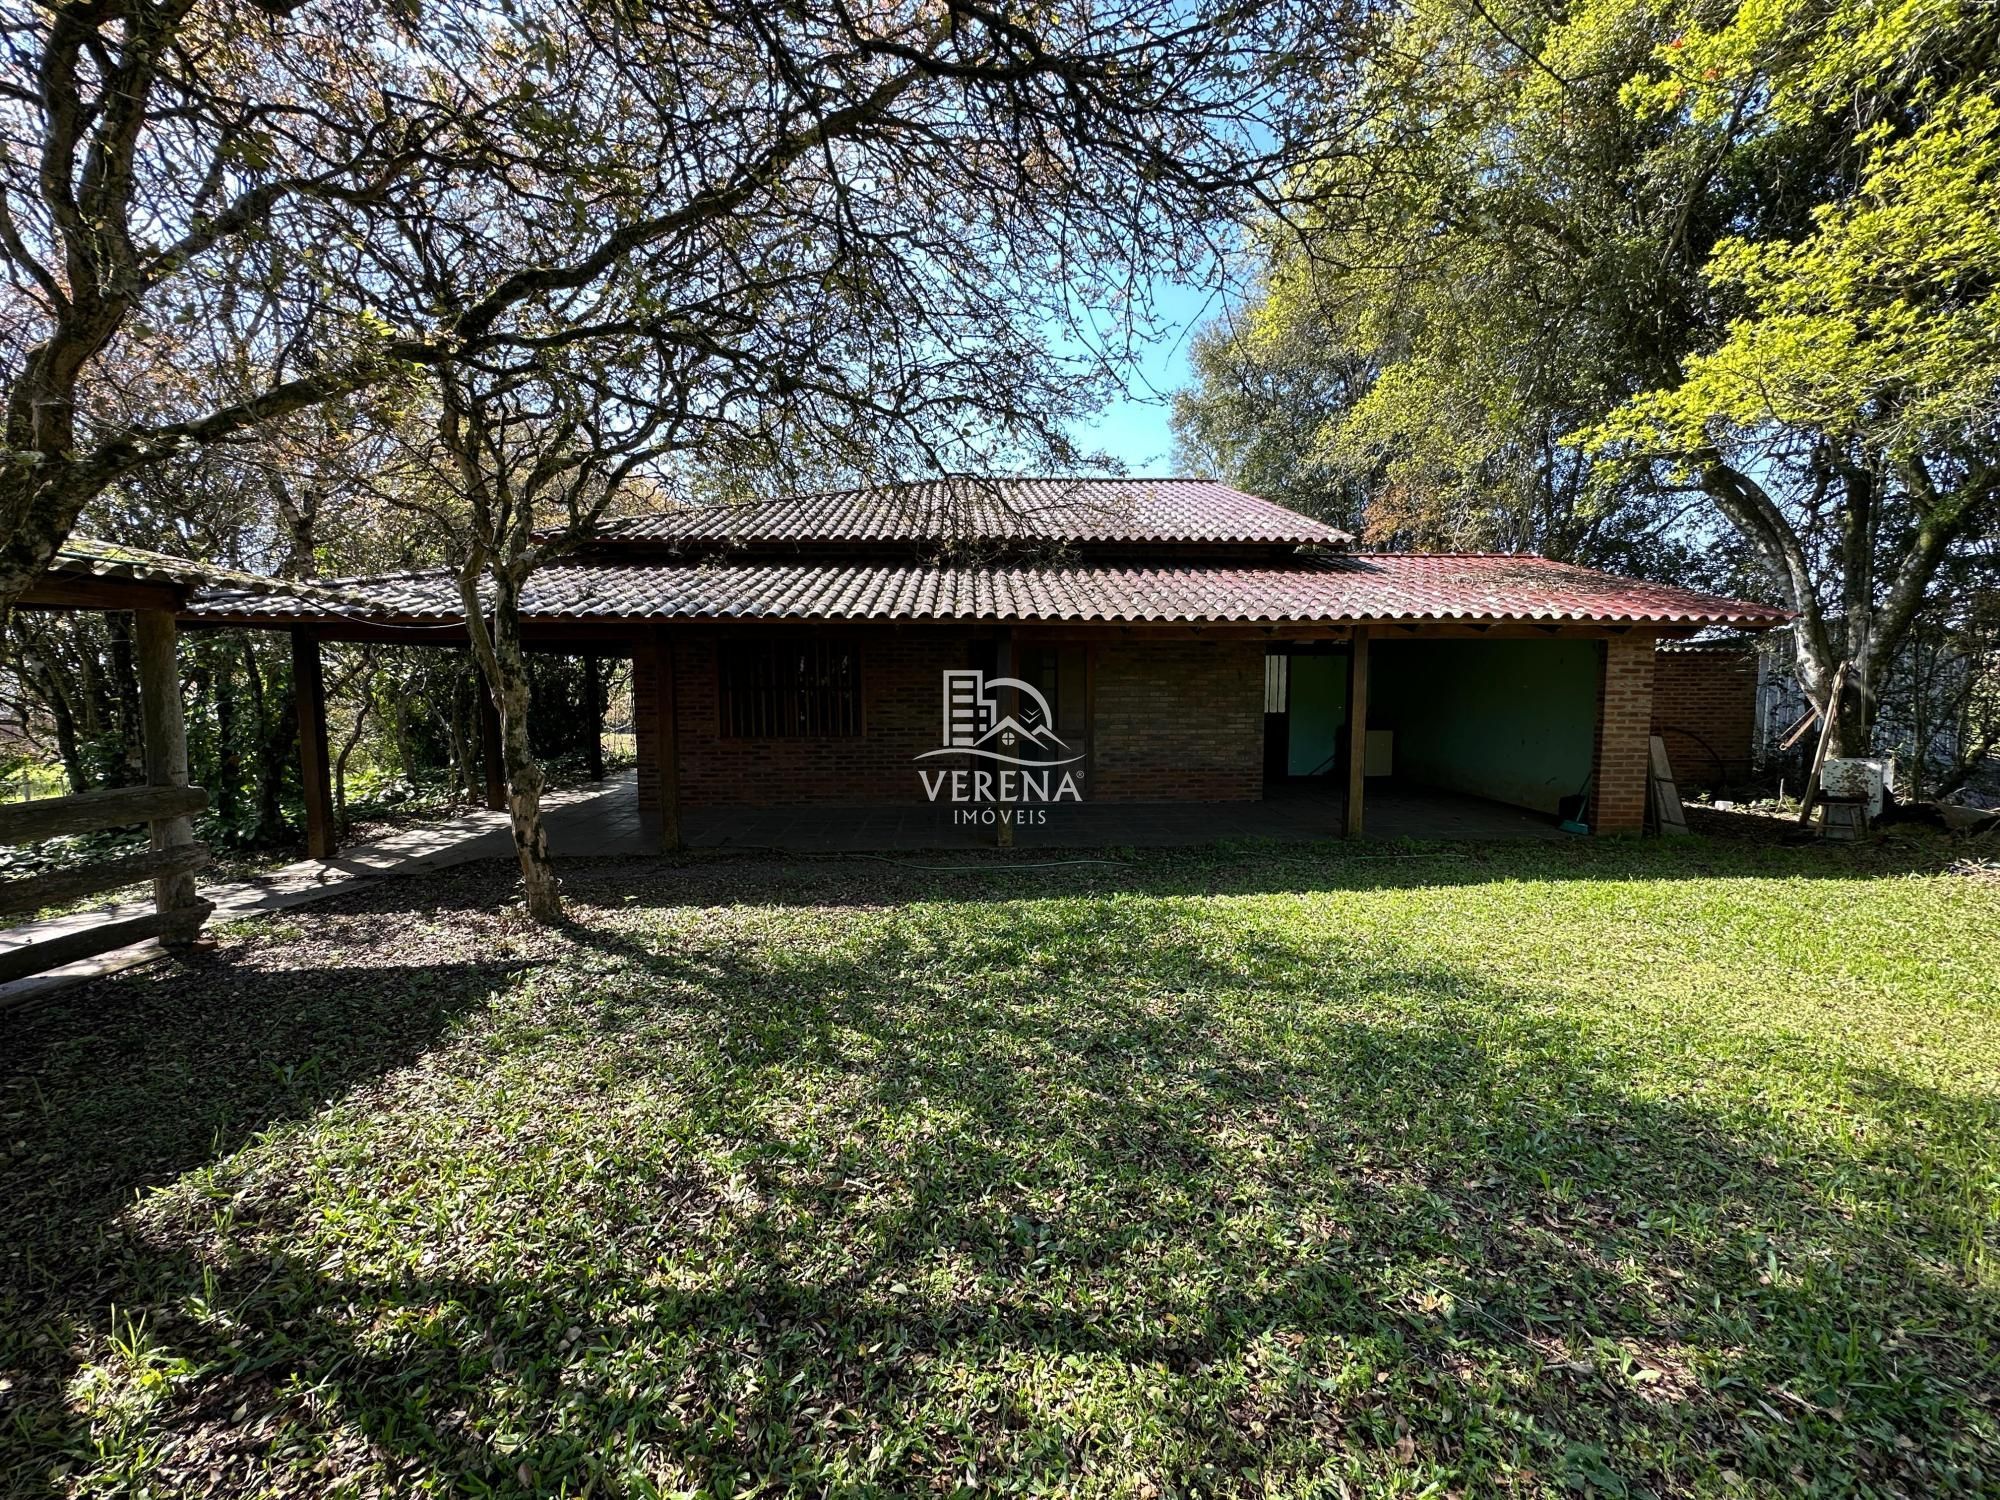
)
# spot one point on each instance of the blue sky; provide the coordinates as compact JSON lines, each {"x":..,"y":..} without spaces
{"x":1135,"y":428}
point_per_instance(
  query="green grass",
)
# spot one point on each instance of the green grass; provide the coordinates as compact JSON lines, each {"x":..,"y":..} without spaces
{"x":1619,"y":1169}
{"x":33,"y":781}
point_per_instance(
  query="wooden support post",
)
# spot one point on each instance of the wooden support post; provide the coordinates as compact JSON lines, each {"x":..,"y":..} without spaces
{"x":491,"y":759}
{"x":1357,"y":732}
{"x":655,"y":730}
{"x":159,"y":672}
{"x":315,"y":764}
{"x":1833,"y":692}
{"x":1009,"y":706}
{"x":593,"y":713}
{"x":670,"y":751}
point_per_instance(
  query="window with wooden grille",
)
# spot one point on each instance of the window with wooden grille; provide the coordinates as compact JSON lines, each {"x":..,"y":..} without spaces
{"x":789,"y":690}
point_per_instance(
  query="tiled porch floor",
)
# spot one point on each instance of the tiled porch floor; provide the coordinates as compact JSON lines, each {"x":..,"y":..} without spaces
{"x":609,"y":823}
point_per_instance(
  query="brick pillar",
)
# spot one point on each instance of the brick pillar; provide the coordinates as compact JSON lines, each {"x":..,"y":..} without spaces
{"x":656,"y":743}
{"x":1624,"y":727}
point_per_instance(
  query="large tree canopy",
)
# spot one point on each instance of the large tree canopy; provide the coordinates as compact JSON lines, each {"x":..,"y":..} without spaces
{"x":1846,"y":418}
{"x":1641,"y":283}
{"x":301,"y":175}
{"x":531,"y":251}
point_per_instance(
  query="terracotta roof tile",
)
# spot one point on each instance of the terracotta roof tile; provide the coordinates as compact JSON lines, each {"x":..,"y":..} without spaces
{"x":101,"y":559}
{"x":1339,"y":589}
{"x":1097,"y":511}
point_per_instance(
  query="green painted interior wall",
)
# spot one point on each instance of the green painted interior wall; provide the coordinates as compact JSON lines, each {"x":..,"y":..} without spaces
{"x":1511,"y":720}
{"x":1318,"y":703}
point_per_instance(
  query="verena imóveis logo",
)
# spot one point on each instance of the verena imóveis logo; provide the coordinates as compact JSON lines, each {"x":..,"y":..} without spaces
{"x":1022,"y":752}
{"x":974,"y":724}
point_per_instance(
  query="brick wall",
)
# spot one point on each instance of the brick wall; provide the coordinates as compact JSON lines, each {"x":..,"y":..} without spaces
{"x":901,"y":714}
{"x":1176,"y":721}
{"x":1624,"y":730}
{"x":1705,"y":709}
{"x":1179,"y":722}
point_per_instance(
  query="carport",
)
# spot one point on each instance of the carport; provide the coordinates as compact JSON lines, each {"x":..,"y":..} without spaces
{"x":1466,"y":733}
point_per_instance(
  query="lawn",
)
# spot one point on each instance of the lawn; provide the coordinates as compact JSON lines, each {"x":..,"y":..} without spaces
{"x":1619,"y":1168}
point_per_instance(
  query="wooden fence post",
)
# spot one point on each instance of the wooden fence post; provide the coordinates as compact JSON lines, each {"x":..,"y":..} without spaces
{"x":159,"y":672}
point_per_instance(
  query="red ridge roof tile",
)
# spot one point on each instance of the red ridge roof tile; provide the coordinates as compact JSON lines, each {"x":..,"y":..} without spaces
{"x":1084,"y":511}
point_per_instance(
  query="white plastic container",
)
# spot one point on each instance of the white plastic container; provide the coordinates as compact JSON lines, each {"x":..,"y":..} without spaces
{"x":1855,"y":779}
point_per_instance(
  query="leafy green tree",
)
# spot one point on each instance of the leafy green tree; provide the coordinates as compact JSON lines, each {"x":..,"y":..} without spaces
{"x":1458,"y":292}
{"x":1261,"y":401}
{"x":1685,"y":288}
{"x":1846,"y":417}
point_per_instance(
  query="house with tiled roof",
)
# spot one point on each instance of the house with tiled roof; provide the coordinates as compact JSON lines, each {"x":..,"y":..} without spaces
{"x":1002,"y":650}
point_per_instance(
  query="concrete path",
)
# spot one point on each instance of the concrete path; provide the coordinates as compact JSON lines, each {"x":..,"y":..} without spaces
{"x":587,"y":820}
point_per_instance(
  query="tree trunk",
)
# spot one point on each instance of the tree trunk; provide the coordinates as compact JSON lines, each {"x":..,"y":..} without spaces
{"x":1818,"y":665}
{"x":399,"y":730}
{"x":39,"y":501}
{"x":228,"y":755}
{"x":273,"y":739}
{"x":504,"y":664}
{"x":593,"y":716}
{"x":365,"y":689}
{"x":125,"y":680}
{"x":461,"y":774}
{"x":1850,"y":714}
{"x":93,"y":696}
{"x":67,"y":748}
{"x":280,"y":744}
{"x":40,"y":673}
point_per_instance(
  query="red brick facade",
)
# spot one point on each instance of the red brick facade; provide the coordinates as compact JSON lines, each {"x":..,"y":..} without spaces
{"x":1624,"y":730}
{"x":646,"y":733}
{"x":1175,"y":721}
{"x":901,"y":717}
{"x":1705,"y":709}
{"x":1179,"y":722}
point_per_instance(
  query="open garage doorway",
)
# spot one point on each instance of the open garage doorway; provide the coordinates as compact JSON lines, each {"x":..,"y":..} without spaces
{"x":1507,"y":721}
{"x":1465,"y":738}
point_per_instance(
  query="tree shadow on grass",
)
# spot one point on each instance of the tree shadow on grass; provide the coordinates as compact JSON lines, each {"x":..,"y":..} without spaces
{"x":895,"y":1203}
{"x":114,"y":1088}
{"x":1248,"y":867}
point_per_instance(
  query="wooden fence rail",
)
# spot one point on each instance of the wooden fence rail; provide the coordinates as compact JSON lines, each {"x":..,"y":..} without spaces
{"x":33,"y":892}
{"x":167,"y":805}
{"x":175,"y":919}
{"x":87,"y":812}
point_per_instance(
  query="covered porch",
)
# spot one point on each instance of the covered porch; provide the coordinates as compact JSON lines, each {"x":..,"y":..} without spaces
{"x":1586,"y":733}
{"x":605,"y":823}
{"x":1485,"y":716}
